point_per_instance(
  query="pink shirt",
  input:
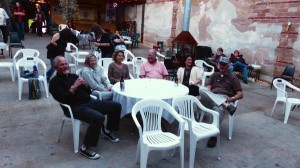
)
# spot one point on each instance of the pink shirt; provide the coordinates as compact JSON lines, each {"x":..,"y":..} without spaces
{"x":154,"y":71}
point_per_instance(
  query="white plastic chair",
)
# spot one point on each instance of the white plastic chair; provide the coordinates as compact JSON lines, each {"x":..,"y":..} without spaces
{"x":198,"y":130}
{"x":62,"y":26}
{"x":230,"y":120}
{"x":137,"y":62}
{"x":104,"y":64}
{"x":23,"y":53}
{"x":75,"y":125}
{"x":202,"y":64}
{"x":128,"y":55}
{"x":9,"y":65}
{"x":27,"y":63}
{"x":79,"y":55}
{"x":151,"y":135}
{"x":282,"y":96}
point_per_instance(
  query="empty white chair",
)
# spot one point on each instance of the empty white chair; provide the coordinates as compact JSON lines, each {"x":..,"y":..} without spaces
{"x":282,"y":96}
{"x":9,"y":65}
{"x":79,"y":55}
{"x":198,"y":130}
{"x":128,"y":55}
{"x":137,"y":62}
{"x":62,"y":26}
{"x":151,"y":135}
{"x":203,"y":64}
{"x":27,"y":63}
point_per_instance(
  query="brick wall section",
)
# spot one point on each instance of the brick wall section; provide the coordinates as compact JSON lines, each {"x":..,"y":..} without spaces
{"x":280,"y":12}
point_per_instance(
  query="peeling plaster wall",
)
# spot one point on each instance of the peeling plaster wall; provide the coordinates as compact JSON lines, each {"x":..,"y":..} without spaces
{"x":257,"y":29}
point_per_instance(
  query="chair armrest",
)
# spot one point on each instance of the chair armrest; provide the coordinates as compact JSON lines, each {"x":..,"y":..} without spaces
{"x":292,"y":86}
{"x":69,"y":109}
{"x":98,"y":93}
{"x":93,"y":97}
{"x":212,"y":112}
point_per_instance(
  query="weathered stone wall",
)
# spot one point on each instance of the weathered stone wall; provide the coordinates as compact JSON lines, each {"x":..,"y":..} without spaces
{"x":258,"y":28}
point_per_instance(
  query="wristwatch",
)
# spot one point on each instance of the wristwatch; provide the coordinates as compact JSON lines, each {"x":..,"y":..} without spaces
{"x":233,"y":98}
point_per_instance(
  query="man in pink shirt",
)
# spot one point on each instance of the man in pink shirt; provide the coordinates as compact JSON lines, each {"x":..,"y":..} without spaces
{"x":153,"y":68}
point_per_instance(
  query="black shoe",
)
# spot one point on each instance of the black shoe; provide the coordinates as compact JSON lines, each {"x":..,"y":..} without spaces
{"x":89,"y":153}
{"x":212,"y":142}
{"x":245,"y":81}
{"x":110,"y":136}
{"x":231,"y":109}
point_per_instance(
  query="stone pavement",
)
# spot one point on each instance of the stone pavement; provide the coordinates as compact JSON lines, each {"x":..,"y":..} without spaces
{"x":29,"y":130}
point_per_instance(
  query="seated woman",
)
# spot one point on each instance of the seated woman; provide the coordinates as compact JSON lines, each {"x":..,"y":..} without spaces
{"x":190,"y":75}
{"x":117,"y":69}
{"x":238,"y":64}
{"x":95,"y":78}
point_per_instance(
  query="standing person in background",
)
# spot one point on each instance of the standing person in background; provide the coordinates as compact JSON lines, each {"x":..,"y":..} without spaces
{"x":3,"y":17}
{"x":103,"y":41}
{"x":57,"y":47}
{"x":19,"y":13}
{"x":118,"y":41}
{"x":39,"y":17}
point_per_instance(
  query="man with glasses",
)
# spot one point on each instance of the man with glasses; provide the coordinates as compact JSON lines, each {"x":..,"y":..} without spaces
{"x":222,"y":91}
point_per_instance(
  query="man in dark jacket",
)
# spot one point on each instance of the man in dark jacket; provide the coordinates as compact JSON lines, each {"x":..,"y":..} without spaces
{"x":72,"y":90}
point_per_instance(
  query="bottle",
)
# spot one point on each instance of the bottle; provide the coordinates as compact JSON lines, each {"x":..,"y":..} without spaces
{"x":122,"y":84}
{"x":176,"y":81}
{"x":35,"y":71}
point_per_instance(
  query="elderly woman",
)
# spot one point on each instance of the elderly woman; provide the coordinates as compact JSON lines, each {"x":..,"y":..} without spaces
{"x":117,"y":69}
{"x":190,"y":75}
{"x":94,"y":77}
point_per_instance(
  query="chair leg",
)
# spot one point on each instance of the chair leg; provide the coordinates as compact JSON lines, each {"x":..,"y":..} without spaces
{"x":182,"y":155}
{"x":138,"y":152}
{"x":76,"y":131}
{"x":272,"y":83}
{"x":193,"y":144}
{"x":46,"y":87}
{"x":61,"y":129}
{"x":20,"y":83}
{"x":144,"y":157}
{"x":230,"y":124}
{"x":288,"y":106}
{"x":218,"y":146}
{"x":274,"y":108}
{"x":12,"y":73}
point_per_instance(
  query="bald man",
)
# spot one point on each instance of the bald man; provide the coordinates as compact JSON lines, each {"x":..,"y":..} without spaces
{"x":153,"y":68}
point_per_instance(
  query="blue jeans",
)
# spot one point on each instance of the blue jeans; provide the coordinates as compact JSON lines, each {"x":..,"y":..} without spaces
{"x":51,"y":70}
{"x":239,"y":66}
{"x":20,"y":29}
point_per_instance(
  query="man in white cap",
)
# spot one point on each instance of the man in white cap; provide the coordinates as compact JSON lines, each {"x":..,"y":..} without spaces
{"x":223,"y":90}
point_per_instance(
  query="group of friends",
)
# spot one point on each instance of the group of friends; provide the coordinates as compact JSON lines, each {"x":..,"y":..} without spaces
{"x":222,"y":90}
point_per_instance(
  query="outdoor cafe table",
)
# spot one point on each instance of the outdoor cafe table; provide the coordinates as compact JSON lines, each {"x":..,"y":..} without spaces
{"x":137,"y":89}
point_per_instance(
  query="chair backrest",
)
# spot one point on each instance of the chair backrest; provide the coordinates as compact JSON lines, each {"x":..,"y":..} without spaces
{"x":28,"y":62}
{"x":25,"y":53}
{"x":160,"y":55}
{"x":136,"y":36}
{"x":104,"y":64}
{"x":289,"y":71}
{"x":71,"y":48}
{"x":128,"y":54}
{"x":14,"y":38}
{"x":62,"y":26}
{"x":280,"y":85}
{"x":151,"y":112}
{"x":137,"y":62}
{"x":79,"y":72}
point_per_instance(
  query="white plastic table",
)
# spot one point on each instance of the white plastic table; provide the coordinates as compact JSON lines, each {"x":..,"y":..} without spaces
{"x":137,"y":89}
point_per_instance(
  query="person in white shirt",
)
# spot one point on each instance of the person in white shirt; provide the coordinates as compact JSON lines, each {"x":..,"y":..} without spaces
{"x":3,"y":17}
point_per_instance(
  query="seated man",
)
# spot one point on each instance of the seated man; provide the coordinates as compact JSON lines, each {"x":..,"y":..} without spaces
{"x":223,"y":89}
{"x":72,"y":90}
{"x":238,"y":63}
{"x":153,"y":68}
{"x":215,"y":59}
{"x":118,"y":41}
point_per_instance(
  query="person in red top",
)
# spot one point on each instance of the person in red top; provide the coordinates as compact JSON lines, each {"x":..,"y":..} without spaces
{"x":40,"y":17}
{"x":19,"y":13}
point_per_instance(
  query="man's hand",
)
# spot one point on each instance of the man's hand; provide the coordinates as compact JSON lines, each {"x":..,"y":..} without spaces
{"x":80,"y":81}
{"x":108,"y":89}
